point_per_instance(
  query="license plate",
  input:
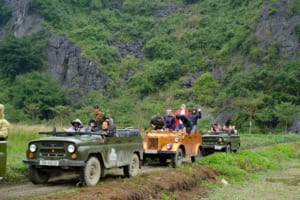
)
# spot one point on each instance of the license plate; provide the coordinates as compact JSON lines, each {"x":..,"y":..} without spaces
{"x":150,"y":151}
{"x":49,"y":162}
{"x":218,"y":147}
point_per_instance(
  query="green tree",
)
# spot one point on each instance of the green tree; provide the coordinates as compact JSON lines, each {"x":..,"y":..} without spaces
{"x":18,"y":56}
{"x":32,"y":110}
{"x":5,"y":13}
{"x":285,"y":112}
{"x":206,"y":89}
{"x":61,"y":113}
{"x":37,"y":94}
{"x":156,"y":75}
{"x":248,"y":107}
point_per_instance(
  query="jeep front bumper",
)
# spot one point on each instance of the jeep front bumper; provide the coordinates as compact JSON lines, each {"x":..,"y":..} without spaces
{"x":153,"y":152}
{"x":216,"y":147}
{"x":56,"y":163}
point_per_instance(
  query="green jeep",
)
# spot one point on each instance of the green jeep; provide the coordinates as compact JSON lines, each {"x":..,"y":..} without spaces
{"x":223,"y":141}
{"x":3,"y":155}
{"x":88,"y":154}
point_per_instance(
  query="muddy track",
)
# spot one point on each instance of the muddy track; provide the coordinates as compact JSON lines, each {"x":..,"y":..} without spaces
{"x":25,"y":189}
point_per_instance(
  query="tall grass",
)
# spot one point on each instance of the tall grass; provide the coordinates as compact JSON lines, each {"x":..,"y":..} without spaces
{"x":245,"y":165}
{"x":249,"y":141}
{"x":18,"y":138}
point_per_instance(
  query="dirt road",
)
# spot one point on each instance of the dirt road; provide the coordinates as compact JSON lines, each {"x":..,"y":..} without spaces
{"x":26,"y":189}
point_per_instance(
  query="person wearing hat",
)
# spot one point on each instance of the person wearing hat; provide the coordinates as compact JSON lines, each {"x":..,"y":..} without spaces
{"x":4,"y":124}
{"x":77,"y":126}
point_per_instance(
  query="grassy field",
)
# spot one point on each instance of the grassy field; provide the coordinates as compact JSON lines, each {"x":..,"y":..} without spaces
{"x":20,"y":135}
{"x":266,"y":173}
{"x":18,"y":138}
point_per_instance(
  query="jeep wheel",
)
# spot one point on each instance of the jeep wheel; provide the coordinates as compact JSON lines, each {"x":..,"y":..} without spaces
{"x":37,"y":176}
{"x":133,"y":168}
{"x":238,"y":148}
{"x":91,"y":172}
{"x":228,"y":148}
{"x":177,"y":158}
{"x":197,"y":157}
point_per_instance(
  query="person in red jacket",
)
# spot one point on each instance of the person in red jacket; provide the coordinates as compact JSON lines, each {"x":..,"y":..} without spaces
{"x":181,"y":111}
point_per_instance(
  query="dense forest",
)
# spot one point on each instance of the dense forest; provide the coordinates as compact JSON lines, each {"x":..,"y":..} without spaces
{"x":207,"y":54}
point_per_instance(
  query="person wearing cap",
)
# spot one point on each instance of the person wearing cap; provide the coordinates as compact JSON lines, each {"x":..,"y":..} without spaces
{"x":98,"y":114}
{"x":77,"y":126}
{"x":4,"y":124}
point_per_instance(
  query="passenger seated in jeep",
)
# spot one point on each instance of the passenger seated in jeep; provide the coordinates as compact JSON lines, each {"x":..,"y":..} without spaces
{"x":105,"y":127}
{"x":92,"y":127}
{"x":232,"y":129}
{"x":111,"y":126}
{"x":77,"y":126}
{"x":215,"y":128}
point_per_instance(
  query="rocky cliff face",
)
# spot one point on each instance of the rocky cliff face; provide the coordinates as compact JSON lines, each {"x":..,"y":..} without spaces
{"x":23,"y":22}
{"x":77,"y":74}
{"x":277,"y":26}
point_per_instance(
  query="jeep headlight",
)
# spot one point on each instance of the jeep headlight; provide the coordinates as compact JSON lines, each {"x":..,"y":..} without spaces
{"x":220,"y":139}
{"x":176,"y":139}
{"x":169,"y":146}
{"x":71,"y":148}
{"x":32,"y":148}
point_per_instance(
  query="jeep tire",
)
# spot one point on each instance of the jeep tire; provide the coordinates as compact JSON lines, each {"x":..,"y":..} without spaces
{"x":37,"y":176}
{"x":228,"y":148}
{"x":177,"y":158}
{"x":197,"y":157}
{"x":91,"y":172}
{"x":133,"y":168}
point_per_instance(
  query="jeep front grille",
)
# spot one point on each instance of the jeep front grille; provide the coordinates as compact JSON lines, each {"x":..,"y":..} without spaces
{"x":52,"y":152}
{"x":152,"y":143}
{"x":52,"y":149}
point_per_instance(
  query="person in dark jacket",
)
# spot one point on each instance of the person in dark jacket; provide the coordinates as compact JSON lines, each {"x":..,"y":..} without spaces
{"x":92,"y":127}
{"x":157,"y":122}
{"x":169,"y":119}
{"x":194,"y":116}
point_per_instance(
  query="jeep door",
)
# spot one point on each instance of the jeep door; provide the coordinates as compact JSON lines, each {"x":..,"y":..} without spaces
{"x":235,"y":140}
{"x":119,"y":151}
{"x":3,"y":155}
{"x":191,"y":142}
